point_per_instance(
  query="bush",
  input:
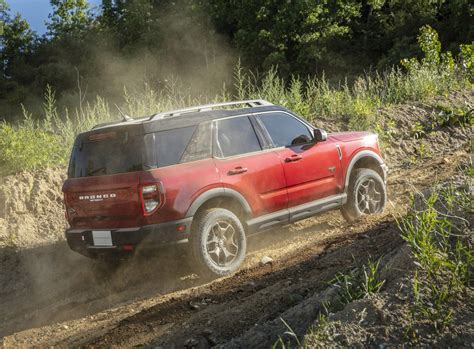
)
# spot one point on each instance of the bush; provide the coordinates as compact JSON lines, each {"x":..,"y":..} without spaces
{"x":29,"y":148}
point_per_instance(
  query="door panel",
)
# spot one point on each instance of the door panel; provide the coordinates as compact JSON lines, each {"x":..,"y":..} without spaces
{"x":262,"y":183}
{"x":312,"y":170}
{"x":243,"y":166}
{"x":314,"y":175}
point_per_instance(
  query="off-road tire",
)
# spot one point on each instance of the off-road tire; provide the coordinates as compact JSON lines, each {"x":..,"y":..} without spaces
{"x":351,"y":210}
{"x":202,"y":232}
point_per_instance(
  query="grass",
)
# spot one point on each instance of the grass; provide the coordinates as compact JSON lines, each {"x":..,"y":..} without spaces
{"x":440,"y":242}
{"x":358,"y":283}
{"x":45,"y":140}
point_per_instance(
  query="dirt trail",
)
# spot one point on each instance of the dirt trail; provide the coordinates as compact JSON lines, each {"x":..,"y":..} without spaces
{"x":50,"y":296}
{"x":157,"y":301}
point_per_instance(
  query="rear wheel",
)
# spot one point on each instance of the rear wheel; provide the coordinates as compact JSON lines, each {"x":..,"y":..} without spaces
{"x":218,"y":242}
{"x":366,"y":195}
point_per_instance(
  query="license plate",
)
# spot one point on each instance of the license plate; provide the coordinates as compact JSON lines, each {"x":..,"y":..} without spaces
{"x":102,"y":238}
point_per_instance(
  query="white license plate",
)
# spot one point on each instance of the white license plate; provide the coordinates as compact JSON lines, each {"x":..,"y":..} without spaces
{"x":102,"y":238}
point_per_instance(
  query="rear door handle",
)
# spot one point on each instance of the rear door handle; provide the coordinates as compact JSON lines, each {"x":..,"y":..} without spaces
{"x":237,"y":170}
{"x":293,"y":158}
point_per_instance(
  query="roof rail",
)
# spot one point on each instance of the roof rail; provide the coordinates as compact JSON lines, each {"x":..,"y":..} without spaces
{"x":250,"y":103}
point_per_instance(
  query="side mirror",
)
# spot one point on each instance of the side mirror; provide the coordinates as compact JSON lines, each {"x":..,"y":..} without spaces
{"x":319,"y":135}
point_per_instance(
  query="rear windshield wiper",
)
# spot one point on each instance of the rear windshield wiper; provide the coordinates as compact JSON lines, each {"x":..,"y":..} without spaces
{"x":97,"y":170}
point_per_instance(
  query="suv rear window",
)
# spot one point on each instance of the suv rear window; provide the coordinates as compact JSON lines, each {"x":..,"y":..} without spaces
{"x":107,"y":156}
{"x":121,"y":154}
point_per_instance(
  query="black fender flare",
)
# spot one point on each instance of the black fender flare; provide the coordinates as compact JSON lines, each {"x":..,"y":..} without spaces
{"x":357,"y":157}
{"x":218,"y":192}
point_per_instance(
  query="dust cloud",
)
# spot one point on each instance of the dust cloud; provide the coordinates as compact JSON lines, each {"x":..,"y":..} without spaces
{"x":188,"y":59}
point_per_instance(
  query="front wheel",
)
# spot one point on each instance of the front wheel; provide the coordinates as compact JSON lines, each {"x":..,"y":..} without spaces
{"x":366,"y":195}
{"x":218,"y":242}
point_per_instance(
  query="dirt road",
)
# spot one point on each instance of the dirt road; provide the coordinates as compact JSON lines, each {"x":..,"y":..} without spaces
{"x":158,"y":300}
{"x":50,"y":296}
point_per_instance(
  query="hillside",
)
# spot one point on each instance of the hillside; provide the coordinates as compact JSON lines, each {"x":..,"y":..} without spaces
{"x":51,"y":296}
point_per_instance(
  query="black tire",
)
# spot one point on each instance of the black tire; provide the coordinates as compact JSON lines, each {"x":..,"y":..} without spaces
{"x":216,"y":255}
{"x":361,"y":199}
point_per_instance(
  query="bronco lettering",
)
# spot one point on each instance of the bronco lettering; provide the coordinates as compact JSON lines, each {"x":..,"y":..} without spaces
{"x":98,"y":197}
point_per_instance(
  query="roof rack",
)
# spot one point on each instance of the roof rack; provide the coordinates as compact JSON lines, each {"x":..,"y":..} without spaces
{"x":250,"y":103}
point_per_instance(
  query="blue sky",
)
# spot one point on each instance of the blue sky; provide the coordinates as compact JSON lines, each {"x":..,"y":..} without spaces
{"x":36,"y":11}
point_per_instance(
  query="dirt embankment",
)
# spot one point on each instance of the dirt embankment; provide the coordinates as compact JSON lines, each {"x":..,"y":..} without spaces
{"x":51,"y":296}
{"x":31,"y":209}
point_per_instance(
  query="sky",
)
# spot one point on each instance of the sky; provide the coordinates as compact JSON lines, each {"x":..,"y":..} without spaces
{"x":36,"y":12}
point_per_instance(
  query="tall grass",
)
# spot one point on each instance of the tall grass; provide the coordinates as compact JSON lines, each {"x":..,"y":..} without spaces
{"x":46,"y":140}
{"x":440,"y":239}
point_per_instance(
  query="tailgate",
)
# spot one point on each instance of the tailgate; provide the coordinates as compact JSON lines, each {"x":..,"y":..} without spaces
{"x":111,"y":201}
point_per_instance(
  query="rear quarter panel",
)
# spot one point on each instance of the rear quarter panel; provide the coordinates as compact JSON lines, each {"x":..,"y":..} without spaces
{"x":183,"y":183}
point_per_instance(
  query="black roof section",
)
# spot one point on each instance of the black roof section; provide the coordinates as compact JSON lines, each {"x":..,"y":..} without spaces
{"x":168,"y":121}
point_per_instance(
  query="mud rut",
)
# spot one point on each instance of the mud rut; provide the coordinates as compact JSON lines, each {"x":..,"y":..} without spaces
{"x":49,"y":296}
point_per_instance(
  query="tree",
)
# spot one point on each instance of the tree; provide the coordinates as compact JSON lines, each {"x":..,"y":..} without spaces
{"x":290,"y":34}
{"x":69,"y":18}
{"x":17,"y":44}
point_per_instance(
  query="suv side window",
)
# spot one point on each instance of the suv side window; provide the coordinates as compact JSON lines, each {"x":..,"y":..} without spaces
{"x":200,"y":146}
{"x":285,"y":130}
{"x":170,"y":145}
{"x":236,"y":136}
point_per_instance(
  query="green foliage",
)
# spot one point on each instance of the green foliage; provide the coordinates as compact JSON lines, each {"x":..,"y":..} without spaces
{"x":442,"y":253}
{"x":16,"y":42}
{"x":280,"y":343}
{"x":28,"y":148}
{"x":429,"y":43}
{"x":311,"y":98}
{"x":467,"y":59}
{"x":358,"y":283}
{"x":303,"y":38}
{"x":449,"y":115}
{"x":321,"y":332}
{"x":69,"y":18}
{"x":290,"y":34}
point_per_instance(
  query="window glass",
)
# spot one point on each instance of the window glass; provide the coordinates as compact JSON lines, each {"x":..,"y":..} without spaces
{"x":285,"y":130}
{"x":200,"y":146}
{"x":121,"y":153}
{"x":171,"y":144}
{"x":236,"y":136}
{"x":109,"y":156}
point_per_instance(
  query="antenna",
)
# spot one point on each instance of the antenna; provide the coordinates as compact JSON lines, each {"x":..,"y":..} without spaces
{"x":125,"y":117}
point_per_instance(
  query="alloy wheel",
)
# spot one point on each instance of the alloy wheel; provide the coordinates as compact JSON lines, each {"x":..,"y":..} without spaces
{"x":221,"y":244}
{"x":369,"y":196}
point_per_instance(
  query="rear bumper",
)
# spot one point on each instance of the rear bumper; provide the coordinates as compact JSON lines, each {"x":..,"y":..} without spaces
{"x":148,"y":236}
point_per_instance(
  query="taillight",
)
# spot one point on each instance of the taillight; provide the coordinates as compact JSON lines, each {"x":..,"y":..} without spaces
{"x":151,"y":195}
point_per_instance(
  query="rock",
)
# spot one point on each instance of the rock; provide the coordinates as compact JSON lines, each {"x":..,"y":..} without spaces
{"x":266,"y":260}
{"x":206,"y":332}
{"x":211,"y":340}
{"x":193,"y":306}
{"x":191,"y":343}
{"x":66,"y":327}
{"x":251,"y":284}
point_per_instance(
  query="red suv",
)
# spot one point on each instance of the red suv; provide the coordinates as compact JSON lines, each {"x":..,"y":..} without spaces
{"x":210,"y":176}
